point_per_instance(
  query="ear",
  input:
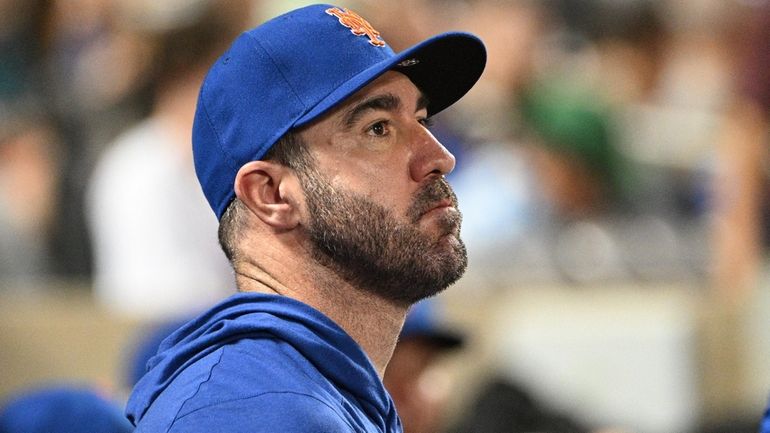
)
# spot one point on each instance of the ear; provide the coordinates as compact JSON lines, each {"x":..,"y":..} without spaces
{"x":271,"y":191}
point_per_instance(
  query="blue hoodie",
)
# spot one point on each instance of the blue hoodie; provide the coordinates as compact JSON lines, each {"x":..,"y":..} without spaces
{"x":261,"y":363}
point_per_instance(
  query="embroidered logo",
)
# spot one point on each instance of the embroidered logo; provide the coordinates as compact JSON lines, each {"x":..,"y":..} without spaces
{"x":357,"y":25}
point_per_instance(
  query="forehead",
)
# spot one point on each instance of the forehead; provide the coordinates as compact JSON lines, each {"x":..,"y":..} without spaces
{"x":391,"y":82}
{"x":388,"y":80}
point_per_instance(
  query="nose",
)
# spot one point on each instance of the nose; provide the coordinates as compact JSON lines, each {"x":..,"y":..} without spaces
{"x":430,"y":157}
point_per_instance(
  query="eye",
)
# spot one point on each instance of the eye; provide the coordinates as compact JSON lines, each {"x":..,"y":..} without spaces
{"x":379,"y":129}
{"x":427,"y":122}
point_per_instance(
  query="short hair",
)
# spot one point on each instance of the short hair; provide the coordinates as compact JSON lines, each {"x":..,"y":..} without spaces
{"x":290,"y":151}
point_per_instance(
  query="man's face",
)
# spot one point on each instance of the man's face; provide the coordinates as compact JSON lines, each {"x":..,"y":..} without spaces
{"x":379,"y":212}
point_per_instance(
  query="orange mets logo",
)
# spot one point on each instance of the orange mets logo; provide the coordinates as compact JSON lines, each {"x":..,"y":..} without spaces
{"x":357,"y":25}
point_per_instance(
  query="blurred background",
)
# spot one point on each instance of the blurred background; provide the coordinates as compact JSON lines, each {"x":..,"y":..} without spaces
{"x":612,"y":172}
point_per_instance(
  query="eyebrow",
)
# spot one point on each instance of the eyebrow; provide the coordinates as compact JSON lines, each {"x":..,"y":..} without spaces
{"x":386,"y":102}
{"x":422,"y":102}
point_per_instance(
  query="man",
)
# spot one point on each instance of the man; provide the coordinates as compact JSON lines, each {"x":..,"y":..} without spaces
{"x":310,"y":143}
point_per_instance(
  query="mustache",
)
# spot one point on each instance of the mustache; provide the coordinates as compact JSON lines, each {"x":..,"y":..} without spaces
{"x":427,"y":197}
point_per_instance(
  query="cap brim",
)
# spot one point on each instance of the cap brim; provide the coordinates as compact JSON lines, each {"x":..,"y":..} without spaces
{"x":439,"y":339}
{"x":444,"y":68}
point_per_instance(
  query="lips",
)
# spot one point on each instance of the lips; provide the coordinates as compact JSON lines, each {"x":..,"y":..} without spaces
{"x":445,"y":203}
{"x":434,"y":196}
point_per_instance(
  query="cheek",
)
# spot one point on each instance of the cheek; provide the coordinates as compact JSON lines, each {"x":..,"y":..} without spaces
{"x":343,"y":143}
{"x":383,"y":177}
{"x":388,"y":185}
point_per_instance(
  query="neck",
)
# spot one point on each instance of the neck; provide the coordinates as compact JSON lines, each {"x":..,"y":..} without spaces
{"x":374,"y":323}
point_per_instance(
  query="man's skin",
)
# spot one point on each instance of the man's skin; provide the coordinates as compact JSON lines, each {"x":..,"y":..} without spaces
{"x":384,"y":152}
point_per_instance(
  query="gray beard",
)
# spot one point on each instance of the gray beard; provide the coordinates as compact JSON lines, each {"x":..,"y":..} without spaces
{"x":366,"y":245}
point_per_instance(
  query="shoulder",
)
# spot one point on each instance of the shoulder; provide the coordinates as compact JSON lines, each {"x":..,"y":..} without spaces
{"x":264,"y":384}
{"x":265,"y":413}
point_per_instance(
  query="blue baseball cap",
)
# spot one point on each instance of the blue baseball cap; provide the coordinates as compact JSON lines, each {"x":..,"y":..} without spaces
{"x":423,"y":322}
{"x":293,"y":69}
{"x":62,"y":409}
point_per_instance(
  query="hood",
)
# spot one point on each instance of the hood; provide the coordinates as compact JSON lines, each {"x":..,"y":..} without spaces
{"x":255,"y":316}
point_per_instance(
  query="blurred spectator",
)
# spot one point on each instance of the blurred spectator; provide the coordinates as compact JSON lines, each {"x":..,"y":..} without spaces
{"x":62,"y":409}
{"x":581,"y":182}
{"x":513,"y":32}
{"x":419,"y":390}
{"x":154,"y":236}
{"x":574,"y":150}
{"x":29,"y":171}
{"x":742,"y":182}
{"x":95,"y":70}
{"x":421,"y":386}
{"x":503,"y":407}
{"x":742,"y":214}
{"x":21,"y":46}
{"x":548,"y":196}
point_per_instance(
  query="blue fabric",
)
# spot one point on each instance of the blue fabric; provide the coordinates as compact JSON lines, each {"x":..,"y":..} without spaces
{"x":261,"y":363}
{"x":765,"y":426}
{"x":423,"y":322}
{"x":145,"y":348}
{"x":62,"y":409}
{"x":291,"y":70}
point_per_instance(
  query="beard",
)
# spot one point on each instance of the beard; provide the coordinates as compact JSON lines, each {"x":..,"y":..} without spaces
{"x":371,"y":248}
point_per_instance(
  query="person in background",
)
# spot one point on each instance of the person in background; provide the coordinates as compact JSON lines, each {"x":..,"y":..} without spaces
{"x":29,"y":180}
{"x":62,"y":409}
{"x":743,"y":230}
{"x":741,"y":220}
{"x":153,"y":235}
{"x":21,"y":45}
{"x":573,"y":149}
{"x":503,"y":406}
{"x":419,"y":390}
